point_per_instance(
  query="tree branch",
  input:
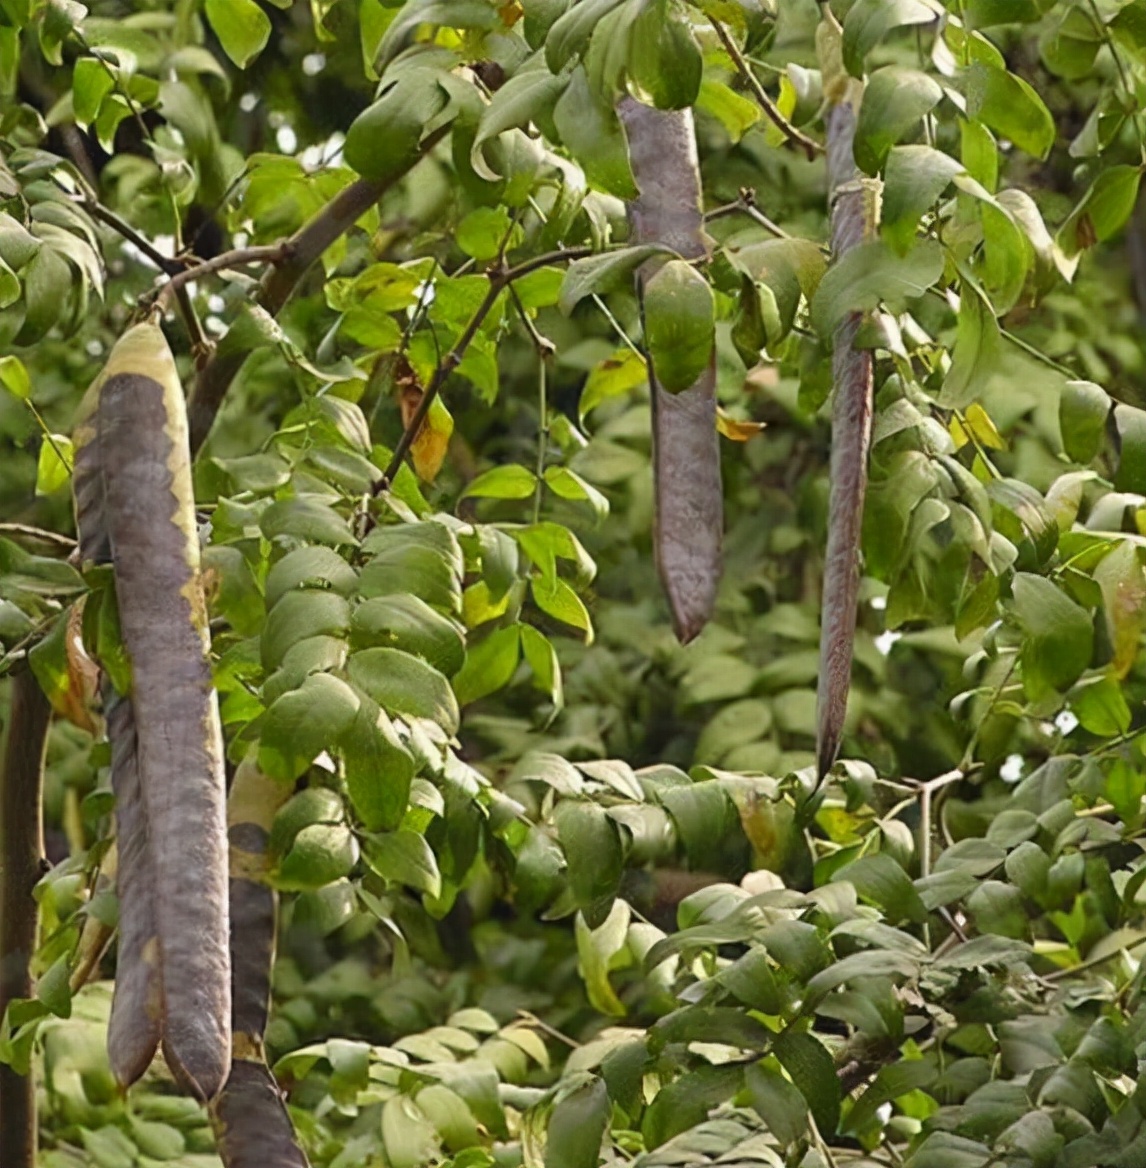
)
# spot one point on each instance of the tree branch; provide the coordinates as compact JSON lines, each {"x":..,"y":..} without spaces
{"x":21,"y":856}
{"x":810,"y":146}
{"x":122,"y":228}
{"x":273,"y":253}
{"x":499,"y":280}
{"x":303,"y":248}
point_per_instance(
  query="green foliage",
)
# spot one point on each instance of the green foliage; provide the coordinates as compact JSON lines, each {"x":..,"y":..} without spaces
{"x":554,"y":889}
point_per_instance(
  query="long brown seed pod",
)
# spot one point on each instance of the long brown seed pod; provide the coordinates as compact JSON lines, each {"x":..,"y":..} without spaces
{"x":136,"y":1010}
{"x":689,"y":521}
{"x":135,"y":506}
{"x":852,"y":221}
{"x":252,"y":1127}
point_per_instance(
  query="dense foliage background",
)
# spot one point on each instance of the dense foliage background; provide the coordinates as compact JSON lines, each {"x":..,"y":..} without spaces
{"x":556,"y":889}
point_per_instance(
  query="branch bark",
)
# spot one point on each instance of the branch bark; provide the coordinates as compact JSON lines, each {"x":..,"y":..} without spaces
{"x":21,"y":857}
{"x":278,"y":283}
{"x":852,"y":221}
{"x":689,"y":519}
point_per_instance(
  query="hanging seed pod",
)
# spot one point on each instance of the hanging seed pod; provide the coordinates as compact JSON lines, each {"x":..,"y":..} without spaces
{"x":133,"y":1031}
{"x":853,"y":220}
{"x":252,"y":1127}
{"x":689,"y":522}
{"x":135,"y":508}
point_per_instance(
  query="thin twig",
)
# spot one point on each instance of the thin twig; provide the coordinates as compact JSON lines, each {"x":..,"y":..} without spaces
{"x":746,"y":205}
{"x":499,"y":280}
{"x":121,"y":227}
{"x":810,"y":146}
{"x":28,"y":532}
{"x":273,"y":253}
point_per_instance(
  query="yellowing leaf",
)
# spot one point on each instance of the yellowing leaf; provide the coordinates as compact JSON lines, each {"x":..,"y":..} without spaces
{"x":428,"y":450}
{"x":734,"y":429}
{"x":975,"y":424}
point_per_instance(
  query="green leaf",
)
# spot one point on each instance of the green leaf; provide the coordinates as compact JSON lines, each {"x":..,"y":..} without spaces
{"x":914,"y":178}
{"x":612,"y":377}
{"x":403,"y":684}
{"x":1069,"y":46}
{"x":1101,"y":707}
{"x":385,"y":139}
{"x":814,"y":1073}
{"x":577,"y":1127}
{"x":301,"y":724}
{"x":1102,"y":211}
{"x":406,"y":858}
{"x":567,"y":484}
{"x":870,"y":274}
{"x":378,"y":767}
{"x":490,"y":665}
{"x":592,"y":133}
{"x":529,"y":95}
{"x":307,"y":519}
{"x":979,"y":154}
{"x":503,"y":482}
{"x":483,"y":231}
{"x":596,"y":949}
{"x":309,"y":567}
{"x":679,"y":312}
{"x":53,"y":990}
{"x":47,"y":285}
{"x":665,"y":62}
{"x":54,"y":466}
{"x":299,"y":615}
{"x":408,"y":623}
{"x":977,"y":352}
{"x":569,"y":35}
{"x":869,"y":21}
{"x":1010,"y":107}
{"x":559,"y":601}
{"x":92,"y":80}
{"x":242,"y":27}
{"x":735,"y":113}
{"x":881,"y":880}
{"x":418,"y":558}
{"x":599,"y":274}
{"x":593,"y":856}
{"x":320,"y":854}
{"x":777,"y":1101}
{"x":542,"y":660}
{"x":1058,"y":636}
{"x":1119,"y":574}
{"x":894,"y":101}
{"x":1083,"y":410}
{"x":1129,"y":28}
{"x":1130,"y":422}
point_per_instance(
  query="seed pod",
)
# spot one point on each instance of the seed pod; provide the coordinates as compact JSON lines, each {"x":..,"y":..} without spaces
{"x":252,"y":1128}
{"x":133,"y":1031}
{"x":689,"y":522}
{"x":135,"y":507}
{"x":852,"y":221}
{"x":251,"y":1124}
